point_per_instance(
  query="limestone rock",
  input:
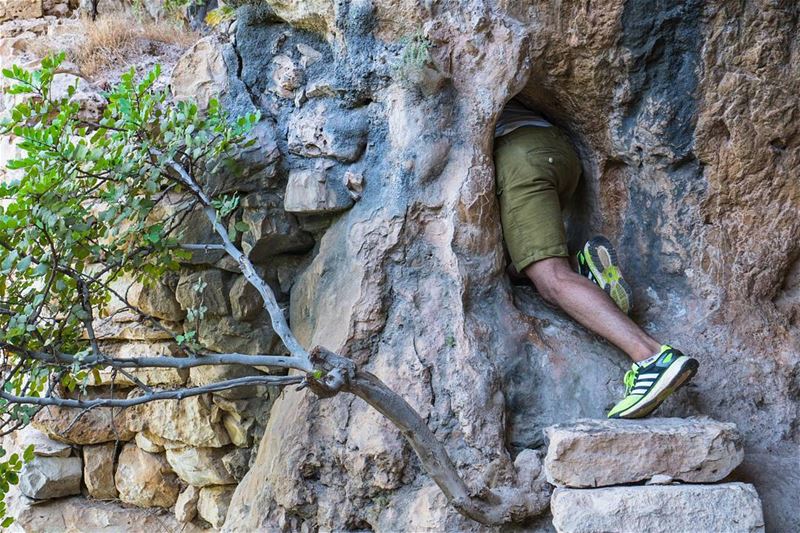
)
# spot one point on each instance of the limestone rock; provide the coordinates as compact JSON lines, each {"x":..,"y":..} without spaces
{"x":98,"y":470}
{"x":206,"y":288}
{"x":250,"y":168}
{"x":20,"y":9}
{"x":237,"y":429}
{"x":145,"y":443}
{"x":246,"y":302}
{"x":186,"y":505}
{"x":203,"y":375}
{"x":733,"y":507}
{"x":145,"y":479}
{"x":156,"y":300}
{"x":193,"y":421}
{"x":43,"y":445}
{"x":44,"y":478}
{"x":109,"y":329}
{"x":212,"y":505}
{"x":286,"y":75}
{"x":237,"y":463}
{"x":148,"y":376}
{"x":321,"y":130}
{"x":271,"y":231}
{"x":596,"y":453}
{"x":309,"y":55}
{"x":195,"y":228}
{"x":226,"y":335}
{"x":95,"y":426}
{"x":200,"y":467}
{"x":201,"y":73}
{"x":79,"y":515}
{"x":311,"y":192}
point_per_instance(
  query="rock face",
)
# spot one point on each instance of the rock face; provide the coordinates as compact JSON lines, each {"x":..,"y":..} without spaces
{"x":44,"y":478}
{"x":597,"y":453}
{"x":732,"y":507}
{"x":677,"y":112}
{"x":145,"y":479}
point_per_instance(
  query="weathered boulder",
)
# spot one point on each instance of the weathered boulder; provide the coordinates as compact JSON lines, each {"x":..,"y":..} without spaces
{"x":311,"y":192}
{"x":596,"y":453}
{"x":98,"y":470}
{"x":200,"y":467}
{"x":44,"y":478}
{"x":323,"y":130}
{"x":212,"y":504}
{"x":194,"y":421}
{"x":733,"y":507}
{"x":205,"y":288}
{"x":20,"y":9}
{"x":186,"y":505}
{"x":271,"y":231}
{"x":144,"y":479}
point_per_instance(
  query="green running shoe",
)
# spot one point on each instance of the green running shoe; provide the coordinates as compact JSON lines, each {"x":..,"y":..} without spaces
{"x":598,"y":262}
{"x":647,"y":386}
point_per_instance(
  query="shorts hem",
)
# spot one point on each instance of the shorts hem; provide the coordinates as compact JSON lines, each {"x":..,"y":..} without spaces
{"x":538,"y":255}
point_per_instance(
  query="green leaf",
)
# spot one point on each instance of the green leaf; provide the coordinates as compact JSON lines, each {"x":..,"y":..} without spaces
{"x":27,"y":455}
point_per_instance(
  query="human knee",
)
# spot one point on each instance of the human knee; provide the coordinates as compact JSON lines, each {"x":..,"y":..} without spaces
{"x":550,"y":276}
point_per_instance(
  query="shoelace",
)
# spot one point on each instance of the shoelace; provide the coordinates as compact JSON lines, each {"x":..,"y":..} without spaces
{"x":630,"y":378}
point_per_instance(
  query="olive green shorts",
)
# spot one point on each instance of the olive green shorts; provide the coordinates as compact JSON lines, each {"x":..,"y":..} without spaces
{"x":537,"y":172}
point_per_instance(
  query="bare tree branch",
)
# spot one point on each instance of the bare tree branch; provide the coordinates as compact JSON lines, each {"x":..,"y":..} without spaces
{"x":279,"y":323}
{"x":282,"y":361}
{"x":176,"y":394}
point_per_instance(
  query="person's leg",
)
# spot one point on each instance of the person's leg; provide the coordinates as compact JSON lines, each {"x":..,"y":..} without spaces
{"x":590,"y":306}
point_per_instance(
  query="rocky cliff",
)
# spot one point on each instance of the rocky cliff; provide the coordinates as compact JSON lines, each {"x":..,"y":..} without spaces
{"x":370,"y":204}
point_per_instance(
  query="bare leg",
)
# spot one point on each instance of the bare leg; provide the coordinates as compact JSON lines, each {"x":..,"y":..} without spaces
{"x":588,"y":304}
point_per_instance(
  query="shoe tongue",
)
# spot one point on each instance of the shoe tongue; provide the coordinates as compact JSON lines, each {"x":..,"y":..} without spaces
{"x":649,"y":361}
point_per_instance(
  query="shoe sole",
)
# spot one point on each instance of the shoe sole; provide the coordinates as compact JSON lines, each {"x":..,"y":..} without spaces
{"x":684,"y":369}
{"x":600,"y":256}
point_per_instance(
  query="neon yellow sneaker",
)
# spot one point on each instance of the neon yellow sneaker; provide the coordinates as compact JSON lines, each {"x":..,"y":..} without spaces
{"x":598,"y":262}
{"x":648,"y":385}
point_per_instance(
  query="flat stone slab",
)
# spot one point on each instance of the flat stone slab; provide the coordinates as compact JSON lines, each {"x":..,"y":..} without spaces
{"x":598,"y":453}
{"x":728,"y":507}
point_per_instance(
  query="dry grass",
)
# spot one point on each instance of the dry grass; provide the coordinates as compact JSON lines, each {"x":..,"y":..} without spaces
{"x":120,"y":39}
